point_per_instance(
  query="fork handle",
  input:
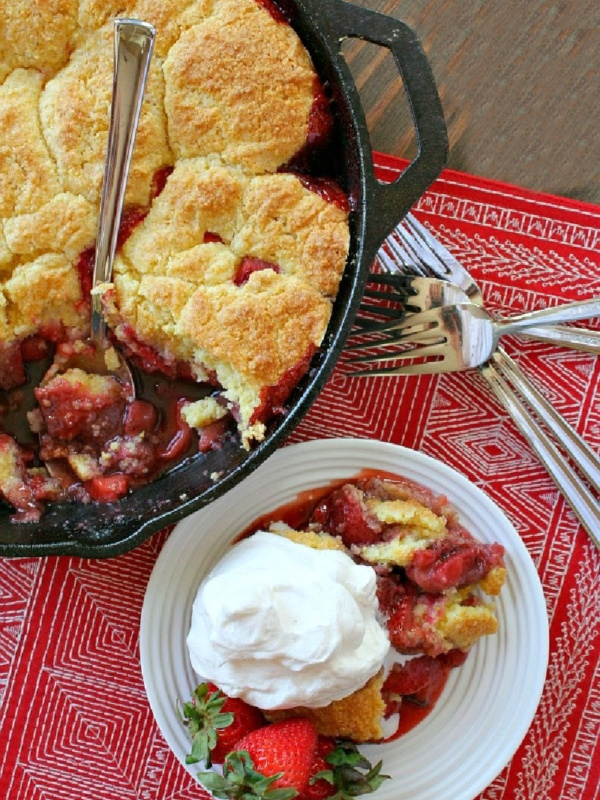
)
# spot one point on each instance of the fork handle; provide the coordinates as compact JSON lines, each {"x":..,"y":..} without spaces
{"x":386,"y":204}
{"x":577,"y":495}
{"x":575,"y":338}
{"x":567,"y":312}
{"x":583,"y":456}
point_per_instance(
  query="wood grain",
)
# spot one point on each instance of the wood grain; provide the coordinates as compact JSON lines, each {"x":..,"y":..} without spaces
{"x":518,"y":82}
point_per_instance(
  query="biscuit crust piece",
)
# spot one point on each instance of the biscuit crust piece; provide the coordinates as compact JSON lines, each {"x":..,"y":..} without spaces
{"x":356,"y":717}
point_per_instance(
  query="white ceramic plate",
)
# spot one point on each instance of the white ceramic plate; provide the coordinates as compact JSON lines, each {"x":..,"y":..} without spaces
{"x":487,"y":705}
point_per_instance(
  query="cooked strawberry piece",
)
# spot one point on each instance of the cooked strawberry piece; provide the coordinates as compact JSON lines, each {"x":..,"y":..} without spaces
{"x":273,"y":10}
{"x":131,"y":218}
{"x":12,"y":372}
{"x":148,"y":359}
{"x":133,"y":455}
{"x":85,"y":270}
{"x":454,"y":658}
{"x":344,"y":513}
{"x":273,"y":397}
{"x":211,"y":237}
{"x":76,"y":404}
{"x":211,"y":436}
{"x":159,"y":180}
{"x":391,"y":592}
{"x":407,"y":633}
{"x":140,"y":417}
{"x":249,"y":265}
{"x":413,"y":676}
{"x":176,"y":436}
{"x":313,"y":155}
{"x":454,"y":562}
{"x":107,"y":488}
{"x":320,"y":121}
{"x":35,"y":348}
{"x":327,"y":189}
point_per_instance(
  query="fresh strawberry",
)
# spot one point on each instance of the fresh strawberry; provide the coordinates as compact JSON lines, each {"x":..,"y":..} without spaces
{"x":340,"y":772}
{"x":216,"y":722}
{"x":285,"y":747}
{"x":320,"y":788}
{"x":271,"y":762}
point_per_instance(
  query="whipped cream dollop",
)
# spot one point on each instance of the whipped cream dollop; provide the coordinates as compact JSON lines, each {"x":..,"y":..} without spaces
{"x":280,"y":624}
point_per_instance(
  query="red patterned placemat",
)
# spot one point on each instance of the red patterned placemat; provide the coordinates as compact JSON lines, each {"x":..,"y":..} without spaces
{"x":74,"y":719}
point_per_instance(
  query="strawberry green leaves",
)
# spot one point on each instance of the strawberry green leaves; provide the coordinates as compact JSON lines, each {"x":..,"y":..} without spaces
{"x":203,"y":718}
{"x":240,"y":781}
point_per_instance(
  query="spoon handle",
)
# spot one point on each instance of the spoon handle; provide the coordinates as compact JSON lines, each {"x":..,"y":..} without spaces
{"x":133,"y":45}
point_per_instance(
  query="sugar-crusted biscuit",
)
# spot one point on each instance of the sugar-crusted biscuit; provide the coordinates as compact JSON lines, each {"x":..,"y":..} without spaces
{"x":28,"y":175}
{"x":36,"y":34}
{"x":200,"y":196}
{"x":77,"y":130}
{"x":42,"y":292}
{"x":169,"y":17}
{"x":285,"y":223}
{"x":241,"y":86}
{"x":65,"y":224}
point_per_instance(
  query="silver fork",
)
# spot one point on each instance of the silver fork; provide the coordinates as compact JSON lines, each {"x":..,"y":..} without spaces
{"x":412,"y":243}
{"x":458,"y":336}
{"x":435,"y":259}
{"x":401,"y":293}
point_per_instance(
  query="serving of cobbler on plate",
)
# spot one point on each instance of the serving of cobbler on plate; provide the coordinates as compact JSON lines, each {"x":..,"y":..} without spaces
{"x":232,"y":245}
{"x":366,"y":589}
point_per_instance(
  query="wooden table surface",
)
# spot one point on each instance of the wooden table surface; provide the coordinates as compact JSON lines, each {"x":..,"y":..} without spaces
{"x":518,"y":82}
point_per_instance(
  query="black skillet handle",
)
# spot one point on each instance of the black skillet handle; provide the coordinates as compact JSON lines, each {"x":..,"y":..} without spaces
{"x":388,"y":203}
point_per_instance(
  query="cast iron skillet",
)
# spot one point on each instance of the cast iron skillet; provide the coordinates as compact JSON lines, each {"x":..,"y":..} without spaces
{"x":100,"y":530}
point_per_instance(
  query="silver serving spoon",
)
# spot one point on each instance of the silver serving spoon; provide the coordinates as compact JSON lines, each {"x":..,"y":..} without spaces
{"x":133,"y":45}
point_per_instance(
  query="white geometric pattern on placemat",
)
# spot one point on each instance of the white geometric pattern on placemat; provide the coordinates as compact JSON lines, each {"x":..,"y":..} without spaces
{"x":94,"y":717}
{"x":100,"y":632}
{"x":551,"y":737}
{"x":16,"y":583}
{"x":516,"y":261}
{"x":364,"y":408}
{"x":347,"y":403}
{"x":534,"y":226}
